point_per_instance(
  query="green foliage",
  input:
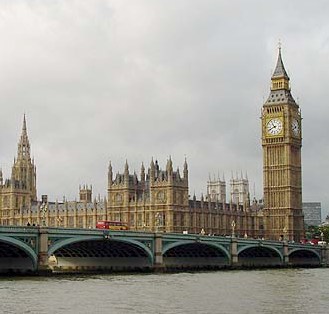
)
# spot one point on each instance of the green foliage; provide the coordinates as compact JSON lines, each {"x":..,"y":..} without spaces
{"x":325,"y":231}
{"x":312,"y":232}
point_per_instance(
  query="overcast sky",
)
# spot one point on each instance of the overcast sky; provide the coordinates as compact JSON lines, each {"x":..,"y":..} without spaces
{"x":122,"y":79}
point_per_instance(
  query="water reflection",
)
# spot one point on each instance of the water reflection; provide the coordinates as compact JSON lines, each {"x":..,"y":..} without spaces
{"x":259,"y":291}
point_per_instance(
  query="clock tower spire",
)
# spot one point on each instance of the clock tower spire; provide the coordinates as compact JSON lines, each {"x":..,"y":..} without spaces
{"x":282,"y":142}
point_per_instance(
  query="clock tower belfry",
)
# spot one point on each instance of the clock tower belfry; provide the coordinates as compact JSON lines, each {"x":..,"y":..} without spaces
{"x":282,"y":176}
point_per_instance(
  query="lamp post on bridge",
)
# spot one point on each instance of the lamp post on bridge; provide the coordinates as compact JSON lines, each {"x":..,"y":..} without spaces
{"x":158,"y":221}
{"x":233,"y":228}
{"x":43,"y":209}
{"x":285,"y":230}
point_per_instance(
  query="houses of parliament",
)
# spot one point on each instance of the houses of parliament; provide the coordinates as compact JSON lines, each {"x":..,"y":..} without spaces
{"x":158,"y":198}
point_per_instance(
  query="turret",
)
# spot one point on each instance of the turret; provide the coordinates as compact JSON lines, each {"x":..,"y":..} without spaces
{"x":185,"y":171}
{"x":169,"y":166}
{"x":152,"y":171}
{"x":110,"y":174}
{"x":157,"y":168}
{"x":126,"y":173}
{"x":85,"y":193}
{"x":169,"y":169}
{"x":142,"y":173}
{"x":178,"y":174}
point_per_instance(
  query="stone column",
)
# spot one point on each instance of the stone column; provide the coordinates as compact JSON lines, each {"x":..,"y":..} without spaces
{"x":158,"y":258}
{"x":234,"y":251}
{"x":43,"y":266}
{"x":325,"y":256}
{"x":285,"y":253}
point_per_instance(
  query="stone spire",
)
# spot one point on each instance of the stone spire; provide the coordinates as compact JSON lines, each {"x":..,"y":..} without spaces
{"x":23,"y":169}
{"x":23,"y":151}
{"x":152,"y":171}
{"x":169,"y":166}
{"x":126,"y":173}
{"x":110,"y":174}
{"x":185,"y":171}
{"x":142,"y":172}
{"x":280,"y":86}
{"x":280,"y":71}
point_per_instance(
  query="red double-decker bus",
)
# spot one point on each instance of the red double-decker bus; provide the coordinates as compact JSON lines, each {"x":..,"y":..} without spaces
{"x":111,"y":225}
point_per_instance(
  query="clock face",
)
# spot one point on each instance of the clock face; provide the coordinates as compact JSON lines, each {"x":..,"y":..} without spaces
{"x":295,"y":127}
{"x":274,"y":126}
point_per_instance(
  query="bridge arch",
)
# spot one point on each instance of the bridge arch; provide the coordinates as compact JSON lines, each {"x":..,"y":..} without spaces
{"x":304,"y":257}
{"x":195,"y":254}
{"x":16,"y":256}
{"x":97,"y":253}
{"x":259,"y":256}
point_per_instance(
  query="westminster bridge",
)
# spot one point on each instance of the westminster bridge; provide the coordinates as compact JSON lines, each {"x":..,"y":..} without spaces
{"x":42,"y":250}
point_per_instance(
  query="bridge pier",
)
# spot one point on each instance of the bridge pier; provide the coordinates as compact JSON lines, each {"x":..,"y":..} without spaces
{"x":325,"y":256}
{"x":285,"y":253}
{"x":43,"y":264}
{"x":234,"y":252}
{"x":158,"y":257}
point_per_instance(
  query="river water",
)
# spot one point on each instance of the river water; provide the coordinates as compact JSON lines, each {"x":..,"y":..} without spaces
{"x":242,"y":291}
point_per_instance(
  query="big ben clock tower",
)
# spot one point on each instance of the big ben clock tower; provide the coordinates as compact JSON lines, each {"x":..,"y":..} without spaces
{"x":282,"y":142}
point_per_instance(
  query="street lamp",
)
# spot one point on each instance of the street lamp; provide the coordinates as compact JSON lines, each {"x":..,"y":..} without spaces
{"x":285,"y":230}
{"x":43,"y":209}
{"x":158,"y":221}
{"x":233,"y":228}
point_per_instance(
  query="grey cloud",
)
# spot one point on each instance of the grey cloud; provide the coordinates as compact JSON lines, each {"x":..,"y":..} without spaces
{"x":118,"y":80}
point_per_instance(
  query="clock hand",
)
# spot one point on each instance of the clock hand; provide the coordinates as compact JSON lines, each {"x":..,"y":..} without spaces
{"x":273,"y":127}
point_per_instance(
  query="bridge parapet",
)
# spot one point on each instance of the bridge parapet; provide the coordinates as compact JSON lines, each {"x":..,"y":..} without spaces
{"x":24,"y":235}
{"x":156,"y":250}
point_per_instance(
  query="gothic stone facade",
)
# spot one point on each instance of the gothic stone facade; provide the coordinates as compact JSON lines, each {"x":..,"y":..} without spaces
{"x":157,"y":200}
{"x":282,"y":141}
{"x":19,"y":192}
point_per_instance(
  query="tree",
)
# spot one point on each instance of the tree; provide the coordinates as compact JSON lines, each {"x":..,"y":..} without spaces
{"x":312,"y":232}
{"x":325,"y":231}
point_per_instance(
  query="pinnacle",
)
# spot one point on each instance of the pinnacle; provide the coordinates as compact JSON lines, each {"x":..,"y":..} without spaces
{"x":280,"y":71}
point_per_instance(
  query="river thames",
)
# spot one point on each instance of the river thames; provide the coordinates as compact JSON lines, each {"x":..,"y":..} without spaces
{"x":253,"y":291}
